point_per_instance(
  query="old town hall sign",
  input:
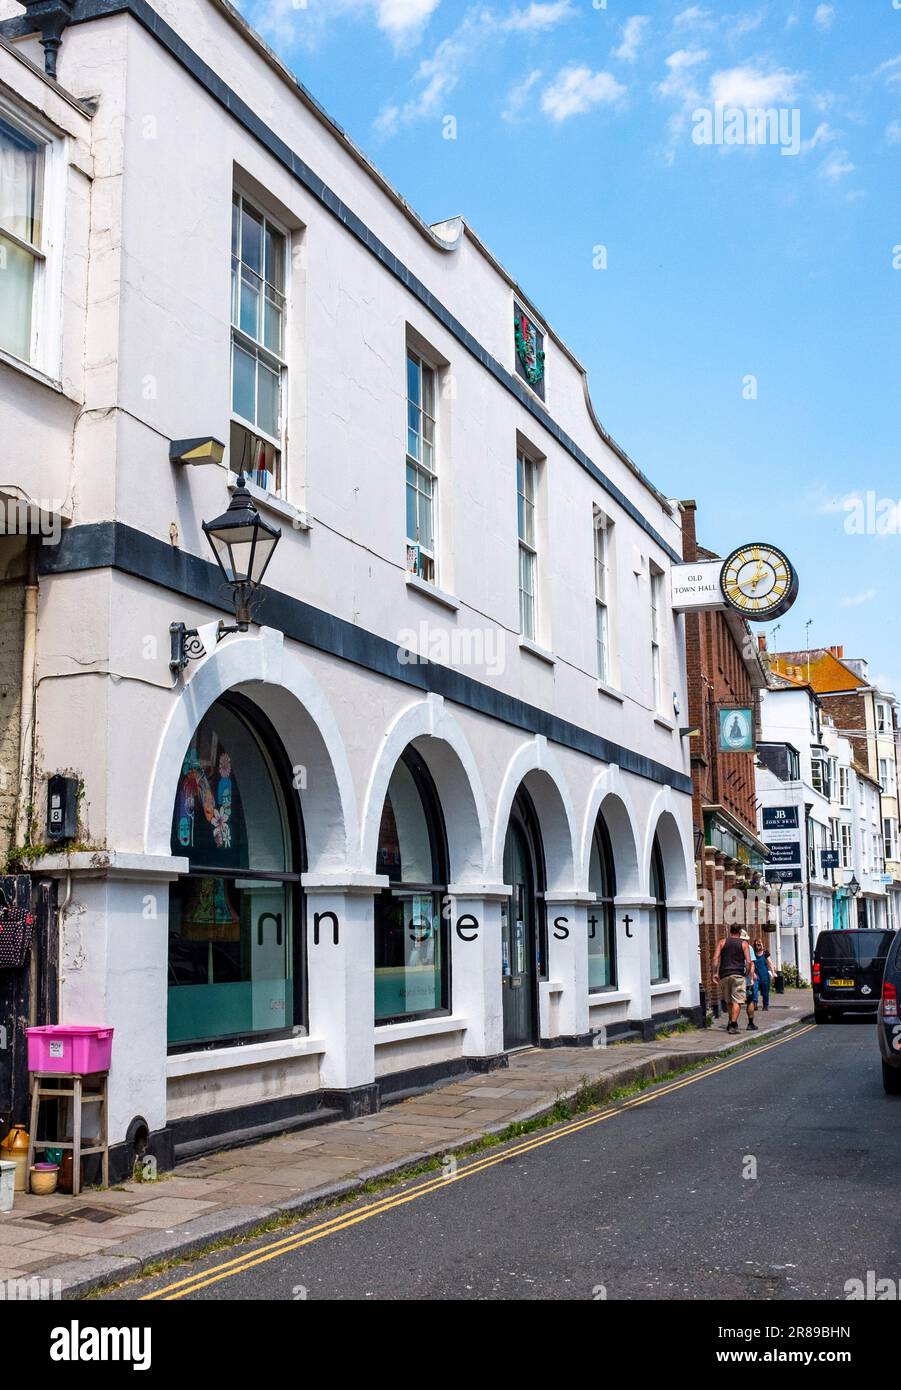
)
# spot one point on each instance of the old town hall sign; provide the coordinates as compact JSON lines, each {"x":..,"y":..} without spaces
{"x":757,"y":580}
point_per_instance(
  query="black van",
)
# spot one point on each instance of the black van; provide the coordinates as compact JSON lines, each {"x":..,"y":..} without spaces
{"x":888,"y":1024}
{"x":847,"y":972}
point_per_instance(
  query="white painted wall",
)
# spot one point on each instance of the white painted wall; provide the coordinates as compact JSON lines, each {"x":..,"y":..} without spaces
{"x":144,"y":328}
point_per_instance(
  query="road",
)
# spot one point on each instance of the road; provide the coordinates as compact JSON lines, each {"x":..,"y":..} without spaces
{"x":773,"y":1176}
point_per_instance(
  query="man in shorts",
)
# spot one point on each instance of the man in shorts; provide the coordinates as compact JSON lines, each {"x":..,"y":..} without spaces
{"x":732,"y":963}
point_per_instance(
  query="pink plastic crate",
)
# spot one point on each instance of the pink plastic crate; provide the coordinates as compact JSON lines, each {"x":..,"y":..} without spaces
{"x":69,"y":1047}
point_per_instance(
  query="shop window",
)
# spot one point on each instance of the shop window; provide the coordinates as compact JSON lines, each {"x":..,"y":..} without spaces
{"x":235,"y":918}
{"x":411,"y":943}
{"x":602,"y":915}
{"x":659,"y":931}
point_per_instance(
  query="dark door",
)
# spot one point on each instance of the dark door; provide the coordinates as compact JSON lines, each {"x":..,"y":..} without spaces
{"x":518,"y":943}
{"x":28,"y":996}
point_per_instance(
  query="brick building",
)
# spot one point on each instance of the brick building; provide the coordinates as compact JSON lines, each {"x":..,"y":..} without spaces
{"x":725,"y":671}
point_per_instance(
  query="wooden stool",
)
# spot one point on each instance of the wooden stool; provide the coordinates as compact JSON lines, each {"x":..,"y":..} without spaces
{"x":75,"y":1092}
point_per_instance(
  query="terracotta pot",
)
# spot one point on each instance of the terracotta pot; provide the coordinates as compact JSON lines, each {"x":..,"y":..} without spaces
{"x":44,"y":1177}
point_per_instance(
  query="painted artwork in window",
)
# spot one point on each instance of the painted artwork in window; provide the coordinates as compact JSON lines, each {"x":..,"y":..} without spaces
{"x":530,"y":355}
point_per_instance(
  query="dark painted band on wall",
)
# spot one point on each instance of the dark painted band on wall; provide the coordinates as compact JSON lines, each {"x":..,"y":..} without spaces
{"x":86,"y":10}
{"x":111,"y":545}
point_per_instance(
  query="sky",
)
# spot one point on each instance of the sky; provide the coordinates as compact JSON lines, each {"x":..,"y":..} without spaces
{"x":736,"y":304}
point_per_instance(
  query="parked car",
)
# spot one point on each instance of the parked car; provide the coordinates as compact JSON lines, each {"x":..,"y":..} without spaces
{"x":847,"y":972}
{"x":888,"y":1021}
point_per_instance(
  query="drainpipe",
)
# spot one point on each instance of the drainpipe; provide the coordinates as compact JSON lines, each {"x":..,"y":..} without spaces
{"x":50,"y":18}
{"x":26,"y":720}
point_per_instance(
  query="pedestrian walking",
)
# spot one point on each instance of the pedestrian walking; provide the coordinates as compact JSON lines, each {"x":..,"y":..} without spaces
{"x":763,"y":966}
{"x":733,"y":970}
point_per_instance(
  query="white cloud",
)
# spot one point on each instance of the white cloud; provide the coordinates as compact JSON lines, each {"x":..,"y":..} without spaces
{"x":837,"y":166}
{"x":691,"y":18}
{"x":439,"y":75}
{"x":680,"y":81}
{"x":857,"y":600}
{"x":893,"y":133}
{"x":519,"y":95}
{"x":890,"y":70}
{"x":824,"y":18}
{"x":750,"y":87}
{"x":285,"y":22}
{"x":538,"y":18}
{"x":399,"y":17}
{"x":576,"y":89}
{"x":823,"y":135}
{"x":746,"y":24}
{"x":633,"y":37}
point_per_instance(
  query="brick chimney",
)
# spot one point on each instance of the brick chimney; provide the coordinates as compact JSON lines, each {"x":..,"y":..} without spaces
{"x":689,"y":531}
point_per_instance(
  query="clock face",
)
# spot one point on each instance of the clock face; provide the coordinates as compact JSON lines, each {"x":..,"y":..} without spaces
{"x":759,"y":582}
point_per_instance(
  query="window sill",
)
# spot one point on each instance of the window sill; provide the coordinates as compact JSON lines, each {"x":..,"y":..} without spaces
{"x":667,"y":987}
{"x":611,"y":692}
{"x":271,"y":502}
{"x":422,"y":586}
{"x":28,"y":370}
{"x":252,"y":1054}
{"x":540,"y":653}
{"x":607,"y":996}
{"x":419,"y":1028}
{"x":663,"y":723}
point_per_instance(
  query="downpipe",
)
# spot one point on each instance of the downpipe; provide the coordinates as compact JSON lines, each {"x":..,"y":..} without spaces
{"x":27,"y":716}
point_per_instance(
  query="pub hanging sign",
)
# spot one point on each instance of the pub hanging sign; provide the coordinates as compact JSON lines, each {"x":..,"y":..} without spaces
{"x":736,"y":730}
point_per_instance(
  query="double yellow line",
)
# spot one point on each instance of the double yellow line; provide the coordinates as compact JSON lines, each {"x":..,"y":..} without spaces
{"x":273,"y":1251}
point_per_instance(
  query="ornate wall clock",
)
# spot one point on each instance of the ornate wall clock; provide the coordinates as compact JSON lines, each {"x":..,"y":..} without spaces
{"x":759,"y":581}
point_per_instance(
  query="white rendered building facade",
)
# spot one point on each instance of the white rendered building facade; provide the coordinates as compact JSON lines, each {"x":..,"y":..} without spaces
{"x":435,"y":804}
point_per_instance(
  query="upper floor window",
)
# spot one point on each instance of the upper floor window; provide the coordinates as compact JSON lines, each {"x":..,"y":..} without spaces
{"x":259,"y":370}
{"x":656,"y":576}
{"x":883,"y":718}
{"x":602,"y":594}
{"x":844,"y":787}
{"x":887,"y":775}
{"x":526,"y":470}
{"x":21,"y":237}
{"x":422,"y":476}
{"x":530,"y":356}
{"x":846,"y":847}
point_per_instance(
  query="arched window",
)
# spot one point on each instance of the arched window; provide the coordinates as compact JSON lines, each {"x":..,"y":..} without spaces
{"x":659,"y":943}
{"x":234,"y":920}
{"x":602,"y":916}
{"x":411,"y":944}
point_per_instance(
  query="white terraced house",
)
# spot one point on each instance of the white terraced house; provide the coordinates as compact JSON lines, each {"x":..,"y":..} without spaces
{"x":430,"y":802}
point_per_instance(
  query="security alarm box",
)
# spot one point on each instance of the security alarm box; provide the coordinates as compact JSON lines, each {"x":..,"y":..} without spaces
{"x":62,"y":808}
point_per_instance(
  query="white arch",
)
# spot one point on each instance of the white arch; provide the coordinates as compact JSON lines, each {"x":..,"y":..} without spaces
{"x":274,"y":676}
{"x":610,"y":793}
{"x":666,"y":818}
{"x":536,"y":766}
{"x":443,"y":746}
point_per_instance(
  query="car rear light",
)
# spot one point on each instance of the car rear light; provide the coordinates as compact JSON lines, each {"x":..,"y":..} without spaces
{"x":889,"y":1000}
{"x":817,"y":973}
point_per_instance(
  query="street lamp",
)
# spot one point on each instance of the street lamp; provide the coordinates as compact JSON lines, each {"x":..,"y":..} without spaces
{"x":243,"y":544}
{"x":853,"y":886}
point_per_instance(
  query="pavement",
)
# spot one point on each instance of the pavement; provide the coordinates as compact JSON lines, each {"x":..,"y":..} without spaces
{"x":104,"y":1237}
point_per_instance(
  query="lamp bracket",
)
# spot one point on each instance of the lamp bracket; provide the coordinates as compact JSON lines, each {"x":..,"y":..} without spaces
{"x":188,"y":644}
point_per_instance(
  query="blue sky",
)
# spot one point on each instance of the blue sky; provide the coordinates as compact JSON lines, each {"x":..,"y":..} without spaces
{"x":575,"y":130}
